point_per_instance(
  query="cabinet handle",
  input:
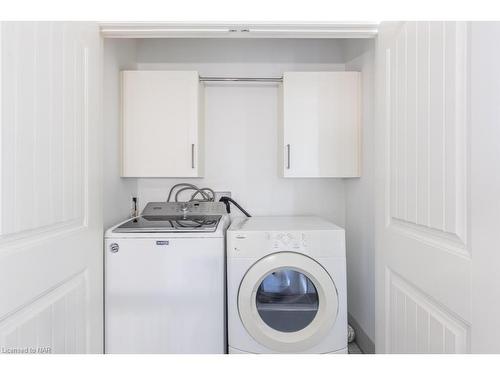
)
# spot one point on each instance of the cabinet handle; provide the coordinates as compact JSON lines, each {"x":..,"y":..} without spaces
{"x":192,"y":155}
{"x":288,"y":156}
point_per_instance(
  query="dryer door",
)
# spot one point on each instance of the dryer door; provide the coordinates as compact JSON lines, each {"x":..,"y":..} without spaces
{"x":287,"y":302}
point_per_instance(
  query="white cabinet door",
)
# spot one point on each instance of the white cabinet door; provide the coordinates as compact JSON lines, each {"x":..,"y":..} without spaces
{"x":320,"y":134}
{"x":162,"y":120}
{"x":51,"y":183}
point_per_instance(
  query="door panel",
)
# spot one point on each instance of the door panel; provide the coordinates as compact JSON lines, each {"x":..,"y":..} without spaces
{"x":50,"y":172}
{"x":423,"y":257}
{"x":428,"y":134}
{"x":417,"y":324}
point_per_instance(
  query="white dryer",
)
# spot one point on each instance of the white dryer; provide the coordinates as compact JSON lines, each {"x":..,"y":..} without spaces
{"x":286,"y":280}
{"x":165,"y":280}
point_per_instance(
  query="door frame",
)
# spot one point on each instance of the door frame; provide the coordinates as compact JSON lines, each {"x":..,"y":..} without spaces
{"x":239,"y":30}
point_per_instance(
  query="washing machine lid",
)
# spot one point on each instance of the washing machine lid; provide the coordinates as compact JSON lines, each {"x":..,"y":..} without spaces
{"x":171,"y":223}
{"x":287,"y":302}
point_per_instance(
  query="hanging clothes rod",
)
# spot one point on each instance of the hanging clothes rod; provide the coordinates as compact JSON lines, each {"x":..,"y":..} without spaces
{"x":241,"y":79}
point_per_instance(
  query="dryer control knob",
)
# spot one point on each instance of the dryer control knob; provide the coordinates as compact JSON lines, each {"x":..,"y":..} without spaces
{"x":114,"y":247}
{"x":285,"y":238}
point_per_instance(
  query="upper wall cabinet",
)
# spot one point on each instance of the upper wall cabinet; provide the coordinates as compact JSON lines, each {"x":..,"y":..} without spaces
{"x":162,"y":124}
{"x":320,"y":126}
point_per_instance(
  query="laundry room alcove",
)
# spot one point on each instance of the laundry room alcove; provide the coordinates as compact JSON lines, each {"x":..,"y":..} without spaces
{"x":241,"y":137}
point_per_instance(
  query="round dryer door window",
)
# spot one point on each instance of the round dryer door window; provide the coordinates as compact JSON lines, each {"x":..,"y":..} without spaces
{"x":287,"y":302}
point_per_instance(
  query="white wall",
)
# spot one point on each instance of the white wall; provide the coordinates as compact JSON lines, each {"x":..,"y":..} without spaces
{"x":241,"y":156}
{"x":118,"y":55}
{"x":360,"y":204}
{"x":241,"y":122}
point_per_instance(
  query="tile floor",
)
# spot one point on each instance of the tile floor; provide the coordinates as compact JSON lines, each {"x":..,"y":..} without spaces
{"x":354,"y":348}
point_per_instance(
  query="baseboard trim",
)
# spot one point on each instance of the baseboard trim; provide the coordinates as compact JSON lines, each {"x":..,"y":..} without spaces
{"x":364,"y":342}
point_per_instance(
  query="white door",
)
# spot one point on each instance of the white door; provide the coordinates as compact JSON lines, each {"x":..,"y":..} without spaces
{"x":50,"y":201}
{"x":423,"y":245}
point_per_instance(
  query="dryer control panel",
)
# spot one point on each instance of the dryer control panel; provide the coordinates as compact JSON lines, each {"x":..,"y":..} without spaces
{"x":259,"y":244}
{"x":261,"y":236}
{"x":287,"y":240}
{"x":251,"y":243}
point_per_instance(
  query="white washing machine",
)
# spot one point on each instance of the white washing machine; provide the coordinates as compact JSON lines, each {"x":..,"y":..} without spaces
{"x":165,"y":280}
{"x":286,"y":280}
